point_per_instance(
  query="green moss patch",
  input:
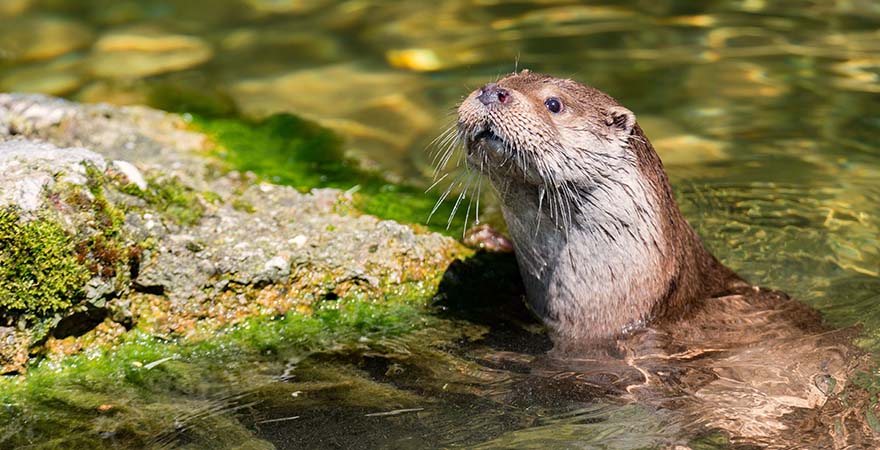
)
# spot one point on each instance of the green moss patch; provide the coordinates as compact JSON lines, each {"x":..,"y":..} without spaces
{"x":177,"y":202}
{"x":286,"y":149}
{"x":44,"y":268}
{"x":39,"y":271}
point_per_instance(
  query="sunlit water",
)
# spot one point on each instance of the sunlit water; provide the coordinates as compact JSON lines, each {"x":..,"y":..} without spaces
{"x":765,"y":113}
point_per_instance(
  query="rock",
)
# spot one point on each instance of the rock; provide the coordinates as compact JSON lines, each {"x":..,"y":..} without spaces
{"x":143,"y":136}
{"x":141,"y":52}
{"x":215,"y":265}
{"x":28,"y":169}
{"x":275,"y":7}
{"x":57,"y":77}
{"x":97,"y":289}
{"x":276,"y":269}
{"x":34,"y":38}
{"x":312,"y":46}
{"x":13,"y":350}
{"x":131,"y":173}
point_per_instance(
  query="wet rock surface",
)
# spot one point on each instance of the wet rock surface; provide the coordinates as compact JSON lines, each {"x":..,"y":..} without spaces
{"x":223,"y":248}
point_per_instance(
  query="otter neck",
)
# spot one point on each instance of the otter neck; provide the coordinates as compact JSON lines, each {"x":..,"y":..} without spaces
{"x":609,"y":254}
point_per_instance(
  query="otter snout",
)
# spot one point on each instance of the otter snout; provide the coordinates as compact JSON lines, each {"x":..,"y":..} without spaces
{"x":492,"y":94}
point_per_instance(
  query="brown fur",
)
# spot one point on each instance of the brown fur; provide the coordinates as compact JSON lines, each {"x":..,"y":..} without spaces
{"x":592,"y":145}
{"x":692,"y":271}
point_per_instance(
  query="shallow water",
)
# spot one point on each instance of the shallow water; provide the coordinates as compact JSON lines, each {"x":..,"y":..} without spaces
{"x":765,"y":113}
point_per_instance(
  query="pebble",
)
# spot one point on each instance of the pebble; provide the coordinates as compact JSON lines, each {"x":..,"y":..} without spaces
{"x":132,"y":174}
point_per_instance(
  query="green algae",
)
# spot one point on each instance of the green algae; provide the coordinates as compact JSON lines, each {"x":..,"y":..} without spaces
{"x":39,"y":271}
{"x":289,"y":150}
{"x":171,"y":198}
{"x":147,"y":391}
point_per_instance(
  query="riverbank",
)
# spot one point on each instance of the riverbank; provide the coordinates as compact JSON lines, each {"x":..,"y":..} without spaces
{"x":129,"y":219}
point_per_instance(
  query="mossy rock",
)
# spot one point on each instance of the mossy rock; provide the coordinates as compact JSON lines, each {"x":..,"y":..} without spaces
{"x":39,"y":271}
{"x":286,"y":149}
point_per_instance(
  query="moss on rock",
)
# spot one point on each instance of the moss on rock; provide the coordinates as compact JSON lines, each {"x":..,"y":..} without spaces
{"x":39,"y":270}
{"x":289,"y":150}
{"x":174,"y":200}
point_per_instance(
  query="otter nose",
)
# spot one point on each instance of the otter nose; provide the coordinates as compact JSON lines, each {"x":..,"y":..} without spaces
{"x":491,"y":93}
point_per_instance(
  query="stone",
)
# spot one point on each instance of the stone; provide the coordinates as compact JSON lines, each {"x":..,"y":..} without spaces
{"x":13,"y":350}
{"x":142,"y":52}
{"x":276,"y":7}
{"x":28,"y":168}
{"x":35,"y":38}
{"x":56,"y":77}
{"x":131,"y":173}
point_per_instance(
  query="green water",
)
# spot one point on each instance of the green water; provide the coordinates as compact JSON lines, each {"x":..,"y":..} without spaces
{"x":767,"y":115}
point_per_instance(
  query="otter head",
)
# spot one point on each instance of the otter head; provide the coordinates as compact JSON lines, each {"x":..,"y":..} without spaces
{"x":600,"y":242}
{"x":543,"y":130}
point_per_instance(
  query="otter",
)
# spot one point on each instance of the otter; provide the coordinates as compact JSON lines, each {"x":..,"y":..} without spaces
{"x":608,"y":261}
{"x":600,"y":241}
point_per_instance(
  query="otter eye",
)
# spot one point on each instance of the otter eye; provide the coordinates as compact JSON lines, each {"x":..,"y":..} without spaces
{"x":553,"y":104}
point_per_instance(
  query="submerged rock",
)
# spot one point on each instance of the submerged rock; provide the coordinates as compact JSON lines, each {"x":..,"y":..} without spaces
{"x":136,"y":53}
{"x":172,"y":243}
{"x":33,"y":38}
{"x":56,"y":77}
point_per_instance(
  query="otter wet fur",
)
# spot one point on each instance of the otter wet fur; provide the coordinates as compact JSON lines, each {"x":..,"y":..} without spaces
{"x":609,"y":262}
{"x":600,"y":241}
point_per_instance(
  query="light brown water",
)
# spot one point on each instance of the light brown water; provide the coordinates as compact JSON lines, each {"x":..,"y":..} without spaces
{"x":766,"y":114}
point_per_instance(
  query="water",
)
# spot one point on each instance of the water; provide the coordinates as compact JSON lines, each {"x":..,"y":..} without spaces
{"x":765,"y":114}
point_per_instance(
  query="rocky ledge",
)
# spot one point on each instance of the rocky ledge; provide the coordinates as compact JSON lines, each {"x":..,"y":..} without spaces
{"x":113,"y":219}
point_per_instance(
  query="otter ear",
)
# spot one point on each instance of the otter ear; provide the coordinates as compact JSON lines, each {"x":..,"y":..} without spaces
{"x":620,"y":119}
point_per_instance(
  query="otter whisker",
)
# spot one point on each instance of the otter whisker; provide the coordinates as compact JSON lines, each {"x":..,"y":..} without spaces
{"x":540,"y":206}
{"x":467,"y":214}
{"x":447,"y":147}
{"x":441,"y":144}
{"x":461,"y":196}
{"x":449,"y":129}
{"x":438,"y":166}
{"x":456,"y":181}
{"x":436,"y":182}
{"x":444,"y":161}
{"x":479,"y":193}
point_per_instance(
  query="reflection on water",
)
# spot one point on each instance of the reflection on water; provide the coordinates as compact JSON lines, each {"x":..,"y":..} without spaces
{"x":765,"y":113}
